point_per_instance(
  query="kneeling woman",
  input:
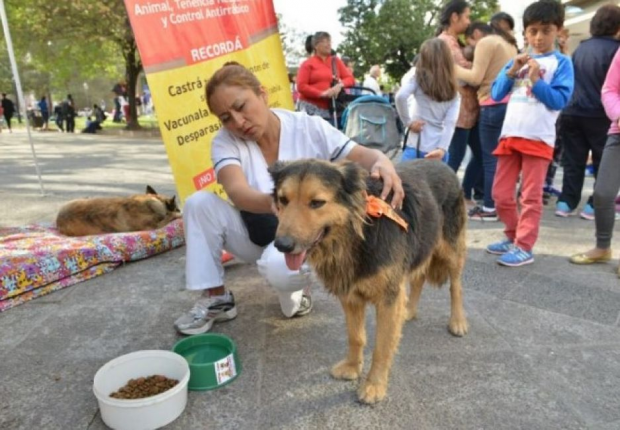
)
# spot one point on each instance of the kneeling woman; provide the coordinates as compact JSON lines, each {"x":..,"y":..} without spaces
{"x":254,"y":137}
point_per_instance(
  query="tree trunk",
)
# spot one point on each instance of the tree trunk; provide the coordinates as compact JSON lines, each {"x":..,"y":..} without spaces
{"x":133,"y":67}
{"x":132,"y":71}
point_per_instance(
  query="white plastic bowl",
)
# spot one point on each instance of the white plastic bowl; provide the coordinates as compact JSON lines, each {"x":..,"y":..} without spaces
{"x":148,"y":413}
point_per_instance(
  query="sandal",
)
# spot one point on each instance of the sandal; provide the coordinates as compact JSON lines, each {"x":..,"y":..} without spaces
{"x":583,"y":258}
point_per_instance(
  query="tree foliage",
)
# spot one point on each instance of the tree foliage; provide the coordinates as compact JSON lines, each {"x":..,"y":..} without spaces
{"x":390,"y":32}
{"x":83,"y":37}
{"x":293,"y":42}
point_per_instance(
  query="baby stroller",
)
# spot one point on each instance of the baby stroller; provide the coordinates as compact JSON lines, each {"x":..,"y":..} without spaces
{"x":373,"y":122}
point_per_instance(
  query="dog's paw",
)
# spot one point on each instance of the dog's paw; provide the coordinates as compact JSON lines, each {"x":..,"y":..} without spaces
{"x":346,"y":370}
{"x":371,"y":393}
{"x":412,"y":314}
{"x":458,"y":327}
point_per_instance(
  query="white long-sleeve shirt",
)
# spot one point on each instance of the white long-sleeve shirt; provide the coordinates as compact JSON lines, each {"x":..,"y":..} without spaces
{"x":372,"y":84}
{"x":533,"y":109}
{"x":411,"y":104}
{"x":439,"y":117}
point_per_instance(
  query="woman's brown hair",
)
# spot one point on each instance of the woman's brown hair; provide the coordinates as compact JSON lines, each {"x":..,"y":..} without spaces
{"x":232,"y":74}
{"x":434,"y":71}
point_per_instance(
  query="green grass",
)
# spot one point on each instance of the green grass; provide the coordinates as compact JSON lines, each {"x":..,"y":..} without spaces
{"x":146,"y":121}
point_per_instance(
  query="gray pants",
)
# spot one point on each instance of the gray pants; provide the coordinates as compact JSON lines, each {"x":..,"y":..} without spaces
{"x":605,"y":192}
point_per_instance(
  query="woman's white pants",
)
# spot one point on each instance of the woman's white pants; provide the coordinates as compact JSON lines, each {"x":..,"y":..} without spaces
{"x":212,"y":225}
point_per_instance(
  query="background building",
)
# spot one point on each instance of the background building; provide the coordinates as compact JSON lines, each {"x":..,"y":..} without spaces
{"x":579,"y":13}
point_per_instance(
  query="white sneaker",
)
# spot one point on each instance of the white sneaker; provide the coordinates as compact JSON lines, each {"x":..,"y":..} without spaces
{"x":305,"y":306}
{"x":206,"y":311}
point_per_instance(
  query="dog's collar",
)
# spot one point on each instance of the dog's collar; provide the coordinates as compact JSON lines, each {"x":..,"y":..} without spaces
{"x":376,"y":208}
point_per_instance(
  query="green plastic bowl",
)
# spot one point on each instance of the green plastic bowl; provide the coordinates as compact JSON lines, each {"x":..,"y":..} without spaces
{"x":212,"y":358}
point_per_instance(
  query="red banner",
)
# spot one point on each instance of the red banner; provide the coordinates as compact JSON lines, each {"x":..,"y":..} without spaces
{"x":182,"y":43}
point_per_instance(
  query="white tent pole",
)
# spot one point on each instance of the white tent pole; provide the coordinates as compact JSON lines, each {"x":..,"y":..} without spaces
{"x":20,"y":92}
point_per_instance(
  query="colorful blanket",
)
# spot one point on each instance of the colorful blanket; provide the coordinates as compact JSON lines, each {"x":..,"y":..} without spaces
{"x":36,"y":260}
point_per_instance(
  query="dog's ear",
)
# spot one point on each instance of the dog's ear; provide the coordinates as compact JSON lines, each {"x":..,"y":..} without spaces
{"x":276,"y":169}
{"x":171,"y":204}
{"x":150,"y":190}
{"x":353,"y":177}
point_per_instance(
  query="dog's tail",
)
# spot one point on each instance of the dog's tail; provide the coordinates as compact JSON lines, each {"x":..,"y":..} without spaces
{"x":455,"y":218}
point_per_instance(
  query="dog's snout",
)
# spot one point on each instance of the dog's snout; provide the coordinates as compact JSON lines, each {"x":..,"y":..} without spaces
{"x":284,"y":244}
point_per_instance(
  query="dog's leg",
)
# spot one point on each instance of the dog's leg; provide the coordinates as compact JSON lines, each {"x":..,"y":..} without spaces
{"x":416,"y":282}
{"x":390,"y":319}
{"x":351,"y":367}
{"x":458,"y":323}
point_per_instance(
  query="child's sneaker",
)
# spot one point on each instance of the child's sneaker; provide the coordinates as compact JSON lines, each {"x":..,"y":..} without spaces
{"x":479,"y":214}
{"x":550,"y":189}
{"x":562,"y":210}
{"x":587,"y":212}
{"x":516,"y":257}
{"x":470,"y":204}
{"x":500,"y":248}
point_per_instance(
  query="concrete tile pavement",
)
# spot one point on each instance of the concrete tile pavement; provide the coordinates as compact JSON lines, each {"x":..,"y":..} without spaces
{"x":543,"y":349}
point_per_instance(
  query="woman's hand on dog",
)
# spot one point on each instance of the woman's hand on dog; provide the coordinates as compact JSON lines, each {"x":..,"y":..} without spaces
{"x":391,"y":182}
{"x":380,"y":167}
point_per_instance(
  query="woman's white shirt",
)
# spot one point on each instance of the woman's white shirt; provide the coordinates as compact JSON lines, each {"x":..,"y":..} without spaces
{"x":301,"y":136}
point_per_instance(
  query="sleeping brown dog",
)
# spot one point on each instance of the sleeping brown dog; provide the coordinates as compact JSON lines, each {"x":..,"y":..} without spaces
{"x":117,"y":214}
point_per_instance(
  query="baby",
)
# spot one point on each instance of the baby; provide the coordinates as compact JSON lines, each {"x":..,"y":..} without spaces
{"x":468,"y":53}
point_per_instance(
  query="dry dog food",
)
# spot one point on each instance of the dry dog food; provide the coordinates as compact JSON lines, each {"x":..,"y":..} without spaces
{"x":140,"y":388}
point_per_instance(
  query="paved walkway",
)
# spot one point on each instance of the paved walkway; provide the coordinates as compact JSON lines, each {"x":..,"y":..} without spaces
{"x":543,"y":350}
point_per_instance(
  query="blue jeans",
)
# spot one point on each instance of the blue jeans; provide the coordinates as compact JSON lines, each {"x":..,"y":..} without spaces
{"x":412,"y":154}
{"x":458,"y":147}
{"x":474,"y":173}
{"x":491,"y":122}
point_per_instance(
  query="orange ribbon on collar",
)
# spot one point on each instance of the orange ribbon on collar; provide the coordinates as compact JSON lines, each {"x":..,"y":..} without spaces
{"x":376,"y":208}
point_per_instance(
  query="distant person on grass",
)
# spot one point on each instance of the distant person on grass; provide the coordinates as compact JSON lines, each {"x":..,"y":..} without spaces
{"x":59,"y":117}
{"x":45,"y":112}
{"x":8,"y":109}
{"x":69,"y":113}
{"x":93,"y":123}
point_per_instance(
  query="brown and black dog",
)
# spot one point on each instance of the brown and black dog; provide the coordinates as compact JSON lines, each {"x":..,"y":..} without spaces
{"x":117,"y":214}
{"x":361,"y":260}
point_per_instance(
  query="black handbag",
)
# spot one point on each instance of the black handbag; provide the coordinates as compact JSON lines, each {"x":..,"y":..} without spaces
{"x":261,"y":227}
{"x":417,"y":146}
{"x":338,"y":103}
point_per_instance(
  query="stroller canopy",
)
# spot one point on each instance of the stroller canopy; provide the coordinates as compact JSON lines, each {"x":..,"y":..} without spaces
{"x":373,"y":122}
